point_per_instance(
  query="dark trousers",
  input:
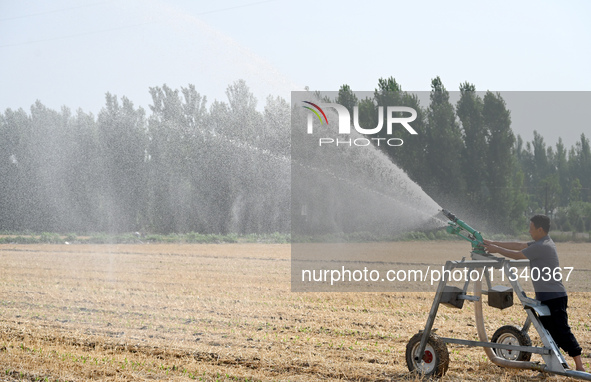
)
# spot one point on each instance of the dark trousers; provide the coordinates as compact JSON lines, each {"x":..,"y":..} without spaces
{"x":557,"y":324}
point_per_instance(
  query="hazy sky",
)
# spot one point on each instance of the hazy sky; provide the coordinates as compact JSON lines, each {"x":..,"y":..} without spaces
{"x":66,"y":52}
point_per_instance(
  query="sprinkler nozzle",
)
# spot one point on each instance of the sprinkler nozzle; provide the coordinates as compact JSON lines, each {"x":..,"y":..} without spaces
{"x":449,"y":215}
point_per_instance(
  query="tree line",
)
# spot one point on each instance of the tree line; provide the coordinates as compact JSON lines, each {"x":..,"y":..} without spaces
{"x":185,"y":166}
{"x":467,"y":157}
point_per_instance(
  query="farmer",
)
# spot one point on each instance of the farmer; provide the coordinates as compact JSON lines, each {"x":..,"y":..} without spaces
{"x":541,"y":253}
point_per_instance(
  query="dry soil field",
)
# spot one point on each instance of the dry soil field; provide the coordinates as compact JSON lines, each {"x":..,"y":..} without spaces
{"x":223,"y":312}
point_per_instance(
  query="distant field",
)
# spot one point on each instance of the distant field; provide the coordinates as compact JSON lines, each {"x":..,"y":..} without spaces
{"x":225,"y":312}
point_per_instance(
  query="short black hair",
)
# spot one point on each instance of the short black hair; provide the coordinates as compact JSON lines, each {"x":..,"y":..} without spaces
{"x":542,"y":221}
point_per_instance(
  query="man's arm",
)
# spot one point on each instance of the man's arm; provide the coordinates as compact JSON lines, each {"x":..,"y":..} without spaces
{"x":511,"y":253}
{"x":512,"y":245}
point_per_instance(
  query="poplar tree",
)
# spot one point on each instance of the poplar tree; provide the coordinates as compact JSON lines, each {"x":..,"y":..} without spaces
{"x":505,"y":207}
{"x":474,"y":157}
{"x":444,"y":144}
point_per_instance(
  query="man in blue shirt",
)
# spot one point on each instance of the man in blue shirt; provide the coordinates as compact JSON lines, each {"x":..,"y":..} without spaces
{"x":543,"y":257}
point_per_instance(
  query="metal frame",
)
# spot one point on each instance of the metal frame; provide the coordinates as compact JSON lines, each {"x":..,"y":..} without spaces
{"x":554,"y":361}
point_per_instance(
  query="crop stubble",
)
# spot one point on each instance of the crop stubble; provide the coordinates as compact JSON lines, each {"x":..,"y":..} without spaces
{"x":224,"y":312}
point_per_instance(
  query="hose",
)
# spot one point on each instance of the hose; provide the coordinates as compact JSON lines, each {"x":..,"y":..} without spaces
{"x":484,"y":338}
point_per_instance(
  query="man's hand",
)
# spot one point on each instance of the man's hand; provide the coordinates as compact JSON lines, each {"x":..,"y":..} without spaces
{"x":490,"y":247}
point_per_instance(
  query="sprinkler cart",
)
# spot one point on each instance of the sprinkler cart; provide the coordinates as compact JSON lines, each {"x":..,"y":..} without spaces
{"x":426,"y":353}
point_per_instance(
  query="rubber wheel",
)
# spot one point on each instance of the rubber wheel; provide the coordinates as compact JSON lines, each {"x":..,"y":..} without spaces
{"x":510,"y":335}
{"x":435,"y":359}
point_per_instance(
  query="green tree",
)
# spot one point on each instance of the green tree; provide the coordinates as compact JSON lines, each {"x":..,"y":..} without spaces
{"x":497,"y":120}
{"x":541,"y":168}
{"x":560,"y":163}
{"x":444,"y":144}
{"x":550,"y":191}
{"x":84,"y":166}
{"x":52,"y":146}
{"x":178,"y":155}
{"x":474,"y":158}
{"x":123,"y":144}
{"x":368,"y":113}
{"x":575,"y":191}
{"x":517,"y":217}
{"x":579,"y":216}
{"x":388,"y":93}
{"x":194,"y":110}
{"x":525,"y":159}
{"x":276,"y":122}
{"x":580,"y":165}
{"x":347,"y":98}
{"x":17,"y":187}
{"x":411,"y":156}
{"x":243,"y":122}
{"x":49,"y":174}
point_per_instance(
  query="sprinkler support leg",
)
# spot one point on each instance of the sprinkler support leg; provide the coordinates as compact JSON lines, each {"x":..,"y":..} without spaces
{"x":433,"y":311}
{"x":526,"y":325}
